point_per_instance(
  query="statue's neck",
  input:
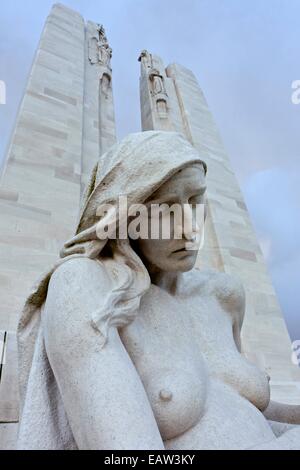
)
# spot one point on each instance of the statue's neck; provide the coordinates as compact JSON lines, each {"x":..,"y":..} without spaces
{"x":168,"y":281}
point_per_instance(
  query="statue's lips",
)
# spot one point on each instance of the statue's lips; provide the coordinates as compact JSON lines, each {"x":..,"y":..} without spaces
{"x":182,"y":251}
{"x":188,"y":248}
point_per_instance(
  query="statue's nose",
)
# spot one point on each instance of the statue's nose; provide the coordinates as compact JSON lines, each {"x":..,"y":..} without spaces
{"x":190,"y":224}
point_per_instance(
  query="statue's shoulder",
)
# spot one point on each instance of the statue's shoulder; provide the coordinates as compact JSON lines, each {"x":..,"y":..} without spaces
{"x":229,"y":290}
{"x":77,"y":289}
{"x":78,"y":276}
{"x":79,"y":267}
{"x":226,"y":288}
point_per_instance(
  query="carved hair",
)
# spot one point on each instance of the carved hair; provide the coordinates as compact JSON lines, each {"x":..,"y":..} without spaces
{"x":132,"y":280}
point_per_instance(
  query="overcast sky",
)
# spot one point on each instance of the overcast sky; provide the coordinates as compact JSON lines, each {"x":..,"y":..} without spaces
{"x":245,"y":55}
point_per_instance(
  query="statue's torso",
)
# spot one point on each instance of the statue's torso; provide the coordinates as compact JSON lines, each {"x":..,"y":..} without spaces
{"x":199,"y":386}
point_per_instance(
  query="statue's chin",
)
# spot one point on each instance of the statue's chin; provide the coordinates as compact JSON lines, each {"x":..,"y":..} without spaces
{"x":185,"y":263}
{"x":187,"y":268}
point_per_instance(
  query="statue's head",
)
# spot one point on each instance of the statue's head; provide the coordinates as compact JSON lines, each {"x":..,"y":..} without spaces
{"x":149,"y":192}
{"x":174,"y":226}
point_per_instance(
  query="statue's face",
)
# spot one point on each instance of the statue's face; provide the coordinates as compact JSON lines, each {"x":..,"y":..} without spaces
{"x":186,"y":189}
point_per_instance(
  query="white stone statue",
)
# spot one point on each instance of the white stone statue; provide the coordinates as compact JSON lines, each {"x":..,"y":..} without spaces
{"x":99,"y":50}
{"x":125,"y":345}
{"x":146,"y":58}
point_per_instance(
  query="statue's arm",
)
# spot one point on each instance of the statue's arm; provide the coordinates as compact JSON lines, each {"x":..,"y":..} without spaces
{"x":230,"y":293}
{"x":105,"y":401}
{"x":283,"y":413}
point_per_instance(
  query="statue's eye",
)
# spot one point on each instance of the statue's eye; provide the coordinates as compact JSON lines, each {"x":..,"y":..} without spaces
{"x":197,"y":199}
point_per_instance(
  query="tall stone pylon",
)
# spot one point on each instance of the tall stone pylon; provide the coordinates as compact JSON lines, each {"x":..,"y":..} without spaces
{"x":99,"y":130}
{"x":65,"y":122}
{"x":171,"y":99}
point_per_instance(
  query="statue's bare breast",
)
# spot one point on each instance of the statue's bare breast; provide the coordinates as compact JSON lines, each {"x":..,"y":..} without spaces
{"x":195,"y":378}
